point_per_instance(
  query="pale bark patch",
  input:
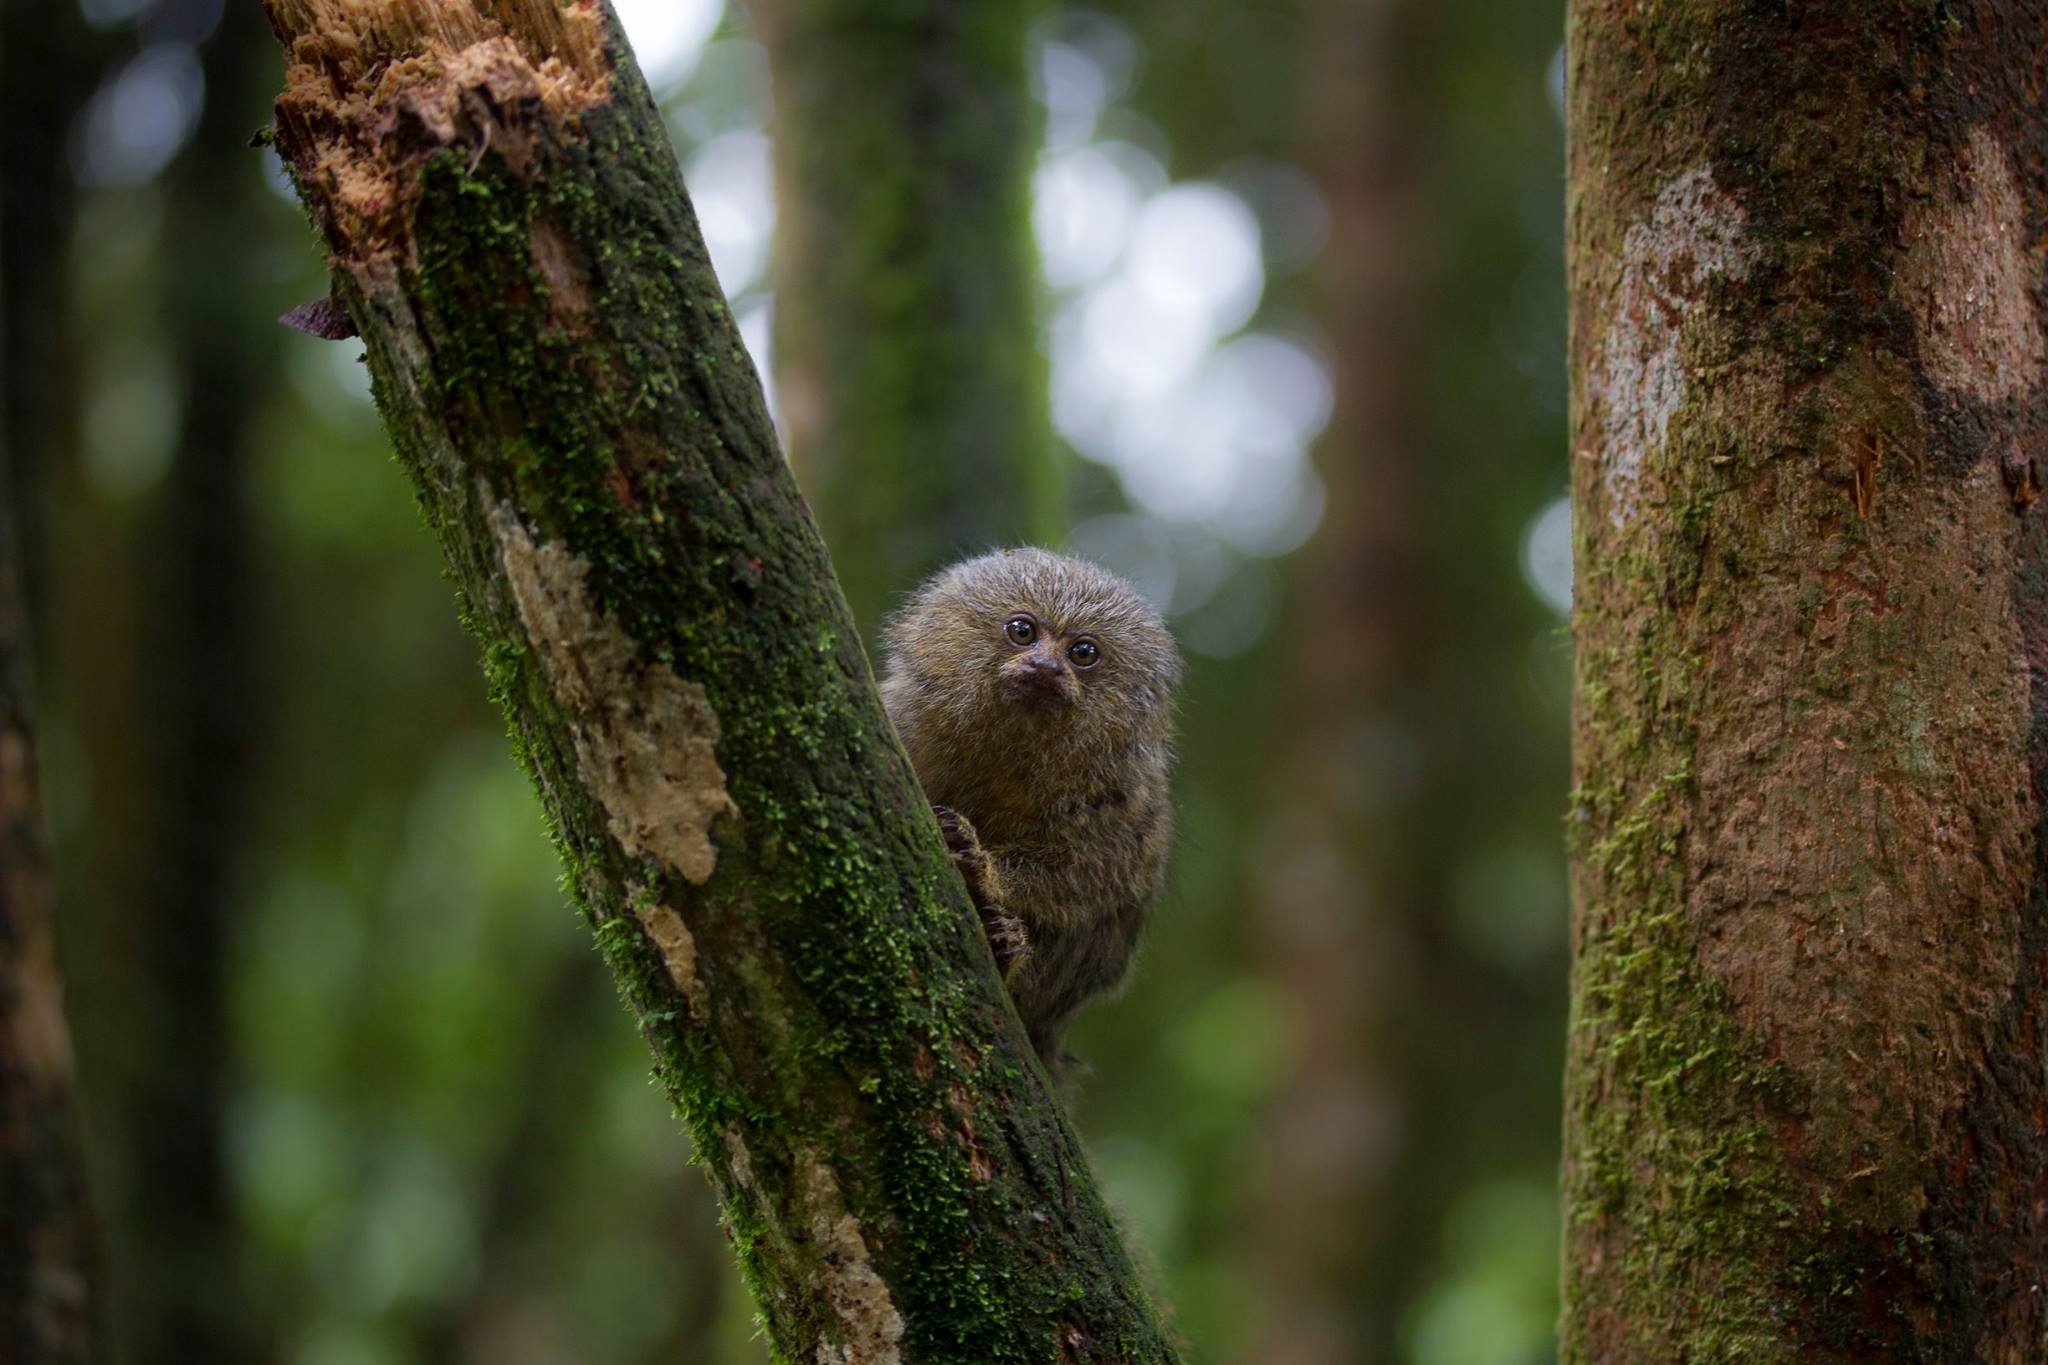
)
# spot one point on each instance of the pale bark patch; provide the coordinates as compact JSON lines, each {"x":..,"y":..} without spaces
{"x":671,"y":938}
{"x":560,"y":266}
{"x":1968,"y":277}
{"x":646,"y":740}
{"x":738,"y":1159}
{"x":1638,"y":381}
{"x":38,"y":1040}
{"x":31,"y":999}
{"x":847,"y":1279}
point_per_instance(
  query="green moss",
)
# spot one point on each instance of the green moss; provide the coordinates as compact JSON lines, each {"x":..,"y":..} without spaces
{"x":1717,"y":1212}
{"x":1671,"y":1069}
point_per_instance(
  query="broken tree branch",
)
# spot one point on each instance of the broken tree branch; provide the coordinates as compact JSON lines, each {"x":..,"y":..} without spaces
{"x":587,"y":436}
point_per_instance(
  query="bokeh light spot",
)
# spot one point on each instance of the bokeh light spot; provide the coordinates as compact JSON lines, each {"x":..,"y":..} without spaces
{"x":668,"y":36}
{"x":1195,"y":251}
{"x":1547,"y":555}
{"x":136,"y":122}
{"x":733,"y":187}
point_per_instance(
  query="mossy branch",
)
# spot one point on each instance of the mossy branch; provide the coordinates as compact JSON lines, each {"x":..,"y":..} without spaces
{"x":587,"y":437}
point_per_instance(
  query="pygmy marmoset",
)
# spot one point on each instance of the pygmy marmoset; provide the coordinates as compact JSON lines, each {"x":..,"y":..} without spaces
{"x":1034,"y":693}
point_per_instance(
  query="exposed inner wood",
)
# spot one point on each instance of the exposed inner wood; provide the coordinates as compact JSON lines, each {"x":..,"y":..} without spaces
{"x":374,"y":89}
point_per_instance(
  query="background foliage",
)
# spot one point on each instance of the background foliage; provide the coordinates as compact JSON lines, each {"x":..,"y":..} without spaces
{"x":355,"y":1086}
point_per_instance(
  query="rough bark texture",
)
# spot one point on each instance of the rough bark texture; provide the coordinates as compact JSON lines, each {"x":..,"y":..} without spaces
{"x":909,"y":366}
{"x":683,"y":681}
{"x":1805,"y":1089}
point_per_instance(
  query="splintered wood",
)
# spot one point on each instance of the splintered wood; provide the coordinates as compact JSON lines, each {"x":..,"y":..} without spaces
{"x":374,"y":88}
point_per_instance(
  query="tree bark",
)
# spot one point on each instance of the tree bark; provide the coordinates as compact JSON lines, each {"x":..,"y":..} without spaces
{"x":909,"y":364}
{"x":1805,"y":1086}
{"x":657,"y":615}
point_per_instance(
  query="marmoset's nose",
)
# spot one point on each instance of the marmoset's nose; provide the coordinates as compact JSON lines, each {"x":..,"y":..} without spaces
{"x":1038,"y":663}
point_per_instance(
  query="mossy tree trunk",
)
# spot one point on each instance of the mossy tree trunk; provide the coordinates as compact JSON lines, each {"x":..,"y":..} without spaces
{"x":683,"y":681}
{"x":908,"y":360}
{"x":1805,"y":1080}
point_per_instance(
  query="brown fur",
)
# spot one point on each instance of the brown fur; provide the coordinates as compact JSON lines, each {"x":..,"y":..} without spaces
{"x":1051,"y":780}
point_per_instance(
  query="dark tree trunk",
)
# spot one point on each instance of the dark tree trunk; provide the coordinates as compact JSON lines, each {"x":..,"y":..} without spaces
{"x":50,"y":1276}
{"x":685,"y":686}
{"x":1342,"y":1204}
{"x":48,"y":1252}
{"x":909,"y":363}
{"x":47,"y":65}
{"x":1805,"y":1083}
{"x":180,"y":1286}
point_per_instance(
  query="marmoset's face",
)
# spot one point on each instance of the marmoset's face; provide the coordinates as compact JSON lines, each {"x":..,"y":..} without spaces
{"x":1045,"y":663}
{"x":1056,"y":642}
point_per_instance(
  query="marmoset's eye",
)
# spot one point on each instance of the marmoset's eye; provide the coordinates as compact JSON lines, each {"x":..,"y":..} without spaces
{"x":1022,"y":630}
{"x":1084,"y":653}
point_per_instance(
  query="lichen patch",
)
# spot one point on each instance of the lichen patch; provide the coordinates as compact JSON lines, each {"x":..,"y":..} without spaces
{"x":1968,"y":277}
{"x":1637,"y":381}
{"x":738,"y":1159}
{"x":872,"y":1328}
{"x":646,"y":740}
{"x":373,"y":88}
{"x":671,"y":938}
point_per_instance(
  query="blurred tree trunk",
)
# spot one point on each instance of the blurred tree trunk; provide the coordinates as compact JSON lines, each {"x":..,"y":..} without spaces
{"x":518,"y":1209}
{"x":47,"y":65}
{"x":909,"y":363}
{"x":1355,"y":865}
{"x":50,"y":1270}
{"x":1805,"y":1081}
{"x":180,"y":1245}
{"x":657,"y":615}
{"x":48,"y":1250}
